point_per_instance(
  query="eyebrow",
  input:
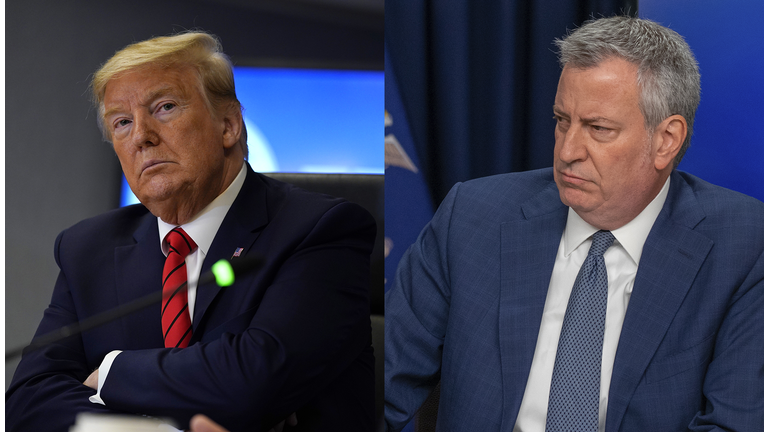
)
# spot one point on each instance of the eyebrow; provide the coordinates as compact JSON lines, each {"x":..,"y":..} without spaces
{"x":157,"y":92}
{"x":591,"y":120}
{"x":588,"y":120}
{"x":110,"y":112}
{"x":154,"y":94}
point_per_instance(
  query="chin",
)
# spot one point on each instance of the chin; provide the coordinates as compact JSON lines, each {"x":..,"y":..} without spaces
{"x":154,"y":197}
{"x":158,"y":189}
{"x":577,"y":200}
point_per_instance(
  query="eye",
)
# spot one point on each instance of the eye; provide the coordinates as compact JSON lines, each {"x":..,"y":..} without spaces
{"x":599,"y":128}
{"x":167,"y":106}
{"x":122,"y":122}
{"x":562,"y":122}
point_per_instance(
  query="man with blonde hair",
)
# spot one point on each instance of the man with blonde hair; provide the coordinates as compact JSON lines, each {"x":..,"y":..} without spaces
{"x":292,"y":337}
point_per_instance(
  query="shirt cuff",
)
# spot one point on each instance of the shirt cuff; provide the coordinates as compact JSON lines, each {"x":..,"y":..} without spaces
{"x":103,"y":371}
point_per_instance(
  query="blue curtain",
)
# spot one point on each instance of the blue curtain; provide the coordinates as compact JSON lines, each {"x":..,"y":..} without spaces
{"x":478,"y":80}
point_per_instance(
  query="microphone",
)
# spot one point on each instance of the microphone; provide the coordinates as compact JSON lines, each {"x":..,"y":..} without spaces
{"x":223,"y":272}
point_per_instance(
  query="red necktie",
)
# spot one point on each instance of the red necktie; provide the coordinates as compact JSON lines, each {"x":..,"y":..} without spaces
{"x":177,"y":327}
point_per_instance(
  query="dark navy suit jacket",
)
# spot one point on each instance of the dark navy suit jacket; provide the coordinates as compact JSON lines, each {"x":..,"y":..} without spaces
{"x":469,"y":295}
{"x":292,"y":336}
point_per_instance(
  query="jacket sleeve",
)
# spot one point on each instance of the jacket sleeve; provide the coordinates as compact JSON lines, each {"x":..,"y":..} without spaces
{"x":414,"y":341}
{"x":733,"y":384}
{"x":47,"y":390}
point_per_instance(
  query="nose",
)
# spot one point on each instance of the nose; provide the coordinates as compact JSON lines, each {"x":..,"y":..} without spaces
{"x":570,"y":147}
{"x":144,"y":131}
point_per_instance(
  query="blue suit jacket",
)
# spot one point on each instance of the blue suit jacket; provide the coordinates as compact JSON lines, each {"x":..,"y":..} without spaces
{"x":292,"y":336}
{"x":468,"y":299}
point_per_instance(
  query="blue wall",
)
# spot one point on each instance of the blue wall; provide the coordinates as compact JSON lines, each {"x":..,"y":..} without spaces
{"x":727,"y":39}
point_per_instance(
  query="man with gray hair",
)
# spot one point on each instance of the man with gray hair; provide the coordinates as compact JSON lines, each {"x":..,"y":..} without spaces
{"x":609,"y":293}
{"x":292,"y":337}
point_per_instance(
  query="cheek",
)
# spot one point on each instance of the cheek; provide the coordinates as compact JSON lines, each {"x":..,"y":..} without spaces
{"x":628,"y":174}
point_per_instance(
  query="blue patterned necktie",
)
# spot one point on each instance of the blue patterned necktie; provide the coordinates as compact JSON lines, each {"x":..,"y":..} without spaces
{"x":574,"y":396}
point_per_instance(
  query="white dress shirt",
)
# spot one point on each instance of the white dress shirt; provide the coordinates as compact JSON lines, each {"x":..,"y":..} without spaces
{"x":621,"y":261}
{"x":202,"y":229}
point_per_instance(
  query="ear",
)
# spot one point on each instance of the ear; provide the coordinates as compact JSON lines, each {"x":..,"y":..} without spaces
{"x":668,"y":139}
{"x":233,"y":125}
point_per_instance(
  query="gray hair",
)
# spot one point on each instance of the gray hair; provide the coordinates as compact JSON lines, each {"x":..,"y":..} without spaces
{"x":667,"y":75}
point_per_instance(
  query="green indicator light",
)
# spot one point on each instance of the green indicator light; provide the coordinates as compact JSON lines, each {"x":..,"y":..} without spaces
{"x":223,"y":272}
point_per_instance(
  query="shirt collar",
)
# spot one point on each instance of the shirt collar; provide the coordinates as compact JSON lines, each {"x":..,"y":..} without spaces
{"x":631,"y":236}
{"x":204,"y":225}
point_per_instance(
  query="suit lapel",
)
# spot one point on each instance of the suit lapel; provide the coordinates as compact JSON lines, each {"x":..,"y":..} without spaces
{"x":138,"y":272}
{"x":528,"y":252}
{"x":672,"y":256}
{"x":240,"y":228}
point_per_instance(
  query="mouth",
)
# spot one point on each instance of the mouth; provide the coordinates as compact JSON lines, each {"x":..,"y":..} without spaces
{"x":151,"y":164}
{"x":571,"y":178}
